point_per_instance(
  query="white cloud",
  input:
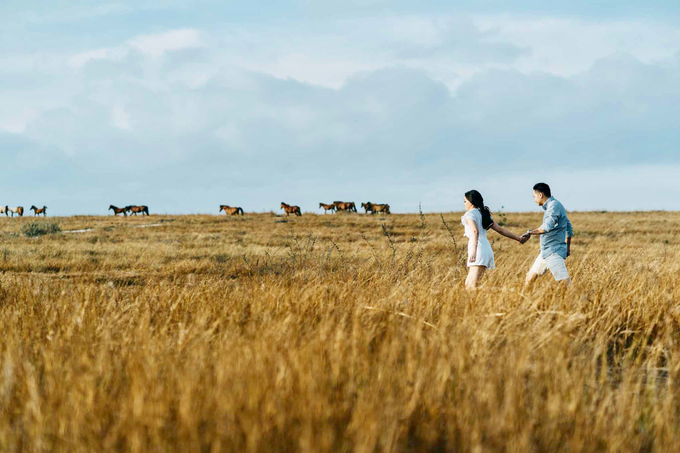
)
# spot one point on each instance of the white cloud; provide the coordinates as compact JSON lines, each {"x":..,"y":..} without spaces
{"x":155,"y":45}
{"x":450,"y":48}
{"x":113,"y":54}
{"x":569,"y":46}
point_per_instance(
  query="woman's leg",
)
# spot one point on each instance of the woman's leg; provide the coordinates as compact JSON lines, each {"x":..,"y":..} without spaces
{"x":475,"y":273}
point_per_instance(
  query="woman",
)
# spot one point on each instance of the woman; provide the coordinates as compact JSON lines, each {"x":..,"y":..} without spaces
{"x":477,"y":220}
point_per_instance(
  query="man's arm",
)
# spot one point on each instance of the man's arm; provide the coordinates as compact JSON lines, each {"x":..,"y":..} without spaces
{"x":550,"y":222}
{"x":570,"y":234}
{"x":536,"y":231}
{"x":568,"y":246}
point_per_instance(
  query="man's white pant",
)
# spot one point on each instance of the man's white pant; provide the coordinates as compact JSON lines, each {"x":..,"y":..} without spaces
{"x":553,"y":262}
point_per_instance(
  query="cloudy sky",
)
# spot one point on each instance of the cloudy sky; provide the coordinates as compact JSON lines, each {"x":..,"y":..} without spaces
{"x":187,"y":105}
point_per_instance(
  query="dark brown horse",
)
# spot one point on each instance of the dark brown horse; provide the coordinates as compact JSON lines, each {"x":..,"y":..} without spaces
{"x":231,"y":211}
{"x":117,"y":210}
{"x":368,"y":207}
{"x":137,"y":209}
{"x":327,"y":207}
{"x":291,"y":209}
{"x":38,"y":211}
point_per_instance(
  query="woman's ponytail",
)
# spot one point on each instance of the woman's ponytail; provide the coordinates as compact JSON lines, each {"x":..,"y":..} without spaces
{"x":477,"y":201}
{"x":487,"y":220}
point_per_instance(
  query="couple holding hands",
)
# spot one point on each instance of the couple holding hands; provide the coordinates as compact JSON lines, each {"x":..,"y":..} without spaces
{"x":555,"y":233}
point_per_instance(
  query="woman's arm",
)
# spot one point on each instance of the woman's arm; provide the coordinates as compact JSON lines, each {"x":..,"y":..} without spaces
{"x":474,"y":239}
{"x":503,"y":232}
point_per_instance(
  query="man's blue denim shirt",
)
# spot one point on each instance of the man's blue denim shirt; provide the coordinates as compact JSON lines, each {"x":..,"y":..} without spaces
{"x":557,"y":228}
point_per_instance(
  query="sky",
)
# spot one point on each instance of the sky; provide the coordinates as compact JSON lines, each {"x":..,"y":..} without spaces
{"x":184,"y":106}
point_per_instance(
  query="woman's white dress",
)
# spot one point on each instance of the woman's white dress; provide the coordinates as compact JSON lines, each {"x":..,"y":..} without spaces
{"x":484,"y":251}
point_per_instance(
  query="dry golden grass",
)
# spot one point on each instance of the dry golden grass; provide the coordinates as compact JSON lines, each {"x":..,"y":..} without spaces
{"x":322,"y":334}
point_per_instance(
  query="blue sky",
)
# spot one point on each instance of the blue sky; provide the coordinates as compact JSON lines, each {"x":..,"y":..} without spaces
{"x":187,"y":106}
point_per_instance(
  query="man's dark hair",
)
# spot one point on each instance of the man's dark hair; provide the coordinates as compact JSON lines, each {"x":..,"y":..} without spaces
{"x":543,"y":188}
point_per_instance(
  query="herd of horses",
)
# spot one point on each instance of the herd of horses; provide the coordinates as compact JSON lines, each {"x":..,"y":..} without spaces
{"x":373,"y":208}
{"x":132,"y":209}
{"x":336,"y":206}
{"x":19,"y":210}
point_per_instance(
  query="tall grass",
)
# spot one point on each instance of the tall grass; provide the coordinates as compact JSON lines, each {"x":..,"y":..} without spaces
{"x":337,"y":333}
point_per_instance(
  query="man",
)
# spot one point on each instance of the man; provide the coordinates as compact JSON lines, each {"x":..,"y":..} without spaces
{"x":555,"y":232}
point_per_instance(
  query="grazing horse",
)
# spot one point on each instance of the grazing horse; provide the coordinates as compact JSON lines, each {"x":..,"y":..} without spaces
{"x":38,"y":211}
{"x":18,"y":210}
{"x":137,"y":209}
{"x":231,"y":211}
{"x":117,"y":210}
{"x":4,"y":210}
{"x":291,"y":209}
{"x":327,"y":207}
{"x":368,"y":207}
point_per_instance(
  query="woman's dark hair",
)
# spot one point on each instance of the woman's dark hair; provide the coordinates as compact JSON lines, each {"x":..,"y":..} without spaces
{"x":477,"y":201}
{"x":543,"y":188}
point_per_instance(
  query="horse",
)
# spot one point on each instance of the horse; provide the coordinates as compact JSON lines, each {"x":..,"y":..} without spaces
{"x":368,"y":207}
{"x":18,"y":210}
{"x":384,"y":208}
{"x":231,"y":211}
{"x":137,"y":209}
{"x":117,"y":210}
{"x":38,"y":211}
{"x":4,"y":210}
{"x":291,"y":209}
{"x":345,"y":206}
{"x":327,"y":207}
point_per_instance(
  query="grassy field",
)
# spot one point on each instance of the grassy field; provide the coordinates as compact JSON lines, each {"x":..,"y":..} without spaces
{"x":336,"y":333}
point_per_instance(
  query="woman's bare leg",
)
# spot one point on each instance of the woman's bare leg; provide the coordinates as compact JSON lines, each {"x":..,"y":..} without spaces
{"x":475,"y":273}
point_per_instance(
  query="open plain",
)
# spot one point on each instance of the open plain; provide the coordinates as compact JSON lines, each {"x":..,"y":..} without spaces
{"x":336,"y":333}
